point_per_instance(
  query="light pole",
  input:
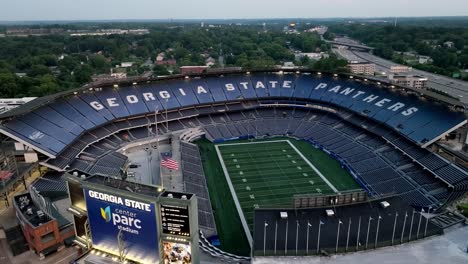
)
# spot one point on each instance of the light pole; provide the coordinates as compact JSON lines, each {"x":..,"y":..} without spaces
{"x":358,"y":233}
{"x":403,"y":229}
{"x":264,"y":238}
{"x":427,"y":220}
{"x":347,"y":237}
{"x":377,"y":234}
{"x":368,"y":229}
{"x":276,"y":233}
{"x":286,"y":239}
{"x":297,"y":234}
{"x":338,"y":235}
{"x":394,"y":227}
{"x":419,"y":224}
{"x":318,"y":235}
{"x":411,"y":227}
{"x":307,"y":242}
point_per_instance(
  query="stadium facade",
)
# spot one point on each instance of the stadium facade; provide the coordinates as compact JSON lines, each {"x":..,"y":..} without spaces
{"x":378,"y":132}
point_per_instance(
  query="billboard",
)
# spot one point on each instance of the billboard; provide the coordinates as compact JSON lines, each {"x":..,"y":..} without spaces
{"x":175,"y":220}
{"x":115,"y":219}
{"x":177,"y":253}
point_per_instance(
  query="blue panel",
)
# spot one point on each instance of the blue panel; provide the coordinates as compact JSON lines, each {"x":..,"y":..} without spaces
{"x":90,"y":98}
{"x":30,"y":134}
{"x":288,"y":85}
{"x":260,"y":85}
{"x":86,"y":110}
{"x":317,"y":90}
{"x":217,"y":88}
{"x":150,"y":97}
{"x":304,"y":86}
{"x":170,"y":102}
{"x":48,"y":128}
{"x":111,"y":99}
{"x":201,"y":91}
{"x":245,"y":86}
{"x":230,"y":88}
{"x":133,"y":101}
{"x":183,"y":92}
{"x":65,"y":123}
{"x":67,"y":110}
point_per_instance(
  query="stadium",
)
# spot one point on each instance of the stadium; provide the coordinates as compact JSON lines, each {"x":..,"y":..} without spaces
{"x":281,"y":162}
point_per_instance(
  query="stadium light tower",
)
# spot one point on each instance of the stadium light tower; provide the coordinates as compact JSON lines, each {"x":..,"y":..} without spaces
{"x":264,"y":238}
{"x":318,"y":235}
{"x":368,"y":229}
{"x":394,"y":227}
{"x":403,"y":229}
{"x":297,"y":233}
{"x":358,"y":232}
{"x":338,"y":235}
{"x":307,"y":242}
{"x":411,"y":227}
{"x":377,"y":233}
{"x":419,"y":224}
{"x":347,"y":236}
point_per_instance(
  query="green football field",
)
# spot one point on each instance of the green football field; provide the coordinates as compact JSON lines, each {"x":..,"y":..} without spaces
{"x":264,"y":174}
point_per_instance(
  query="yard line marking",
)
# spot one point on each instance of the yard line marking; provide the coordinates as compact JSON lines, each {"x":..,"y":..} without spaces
{"x":313,"y":167}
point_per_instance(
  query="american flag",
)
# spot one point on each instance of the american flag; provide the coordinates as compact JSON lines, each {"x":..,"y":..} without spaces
{"x":168,"y":162}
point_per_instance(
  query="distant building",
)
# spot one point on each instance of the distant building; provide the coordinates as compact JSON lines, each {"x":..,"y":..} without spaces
{"x":400,"y":69}
{"x":6,"y":104}
{"x":108,"y":32}
{"x":449,"y":44}
{"x":319,"y":29}
{"x":126,"y":64}
{"x":210,"y":62}
{"x":193,"y":69}
{"x":167,"y":62}
{"x":363,"y":68}
{"x":313,"y":55}
{"x":424,"y":59}
{"x":160,"y":56}
{"x":413,"y":81}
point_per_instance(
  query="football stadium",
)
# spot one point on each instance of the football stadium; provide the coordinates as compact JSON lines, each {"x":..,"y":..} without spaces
{"x":275,"y":162}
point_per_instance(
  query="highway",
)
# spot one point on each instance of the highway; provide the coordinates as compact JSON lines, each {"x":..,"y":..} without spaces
{"x":453,"y":87}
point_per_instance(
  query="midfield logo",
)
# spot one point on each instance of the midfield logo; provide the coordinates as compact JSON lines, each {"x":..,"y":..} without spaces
{"x":106,"y":214}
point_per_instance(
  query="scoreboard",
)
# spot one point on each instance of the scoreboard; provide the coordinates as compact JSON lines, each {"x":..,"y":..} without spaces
{"x":175,"y":220}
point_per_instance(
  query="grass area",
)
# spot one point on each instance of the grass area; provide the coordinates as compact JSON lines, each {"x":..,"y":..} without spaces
{"x":228,"y":223}
{"x":264,"y":175}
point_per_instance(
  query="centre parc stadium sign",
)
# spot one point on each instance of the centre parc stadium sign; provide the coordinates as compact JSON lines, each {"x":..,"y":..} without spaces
{"x":111,"y":214}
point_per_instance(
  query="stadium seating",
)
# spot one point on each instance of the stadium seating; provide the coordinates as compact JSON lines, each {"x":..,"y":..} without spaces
{"x":53,"y":127}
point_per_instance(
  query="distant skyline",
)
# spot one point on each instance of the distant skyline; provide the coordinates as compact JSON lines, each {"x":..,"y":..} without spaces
{"x":35,"y":10}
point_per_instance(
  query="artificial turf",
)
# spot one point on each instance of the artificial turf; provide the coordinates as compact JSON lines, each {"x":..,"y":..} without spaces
{"x":264,"y":174}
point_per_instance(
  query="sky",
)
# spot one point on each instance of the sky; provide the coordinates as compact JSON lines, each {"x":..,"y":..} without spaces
{"x":27,"y":10}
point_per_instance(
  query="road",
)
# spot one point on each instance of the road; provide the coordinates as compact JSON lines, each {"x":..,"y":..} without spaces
{"x":453,"y":87}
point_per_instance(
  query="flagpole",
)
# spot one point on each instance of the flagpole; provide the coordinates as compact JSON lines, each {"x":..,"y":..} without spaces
{"x":318,"y":236}
{"x":403,"y":229}
{"x":368,"y":229}
{"x":297,"y":233}
{"x":377,"y":234}
{"x":347,"y":237}
{"x":427,"y":220}
{"x":394,"y":227}
{"x":411,"y":227}
{"x":276,"y":233}
{"x":264,"y":238}
{"x":338,"y":235}
{"x":419,"y":224}
{"x":307,"y":242}
{"x":358,"y":233}
{"x":157,"y":145}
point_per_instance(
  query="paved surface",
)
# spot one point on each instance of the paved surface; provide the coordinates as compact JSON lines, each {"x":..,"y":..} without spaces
{"x":62,"y":257}
{"x":449,"y":248}
{"x":454,"y":87}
